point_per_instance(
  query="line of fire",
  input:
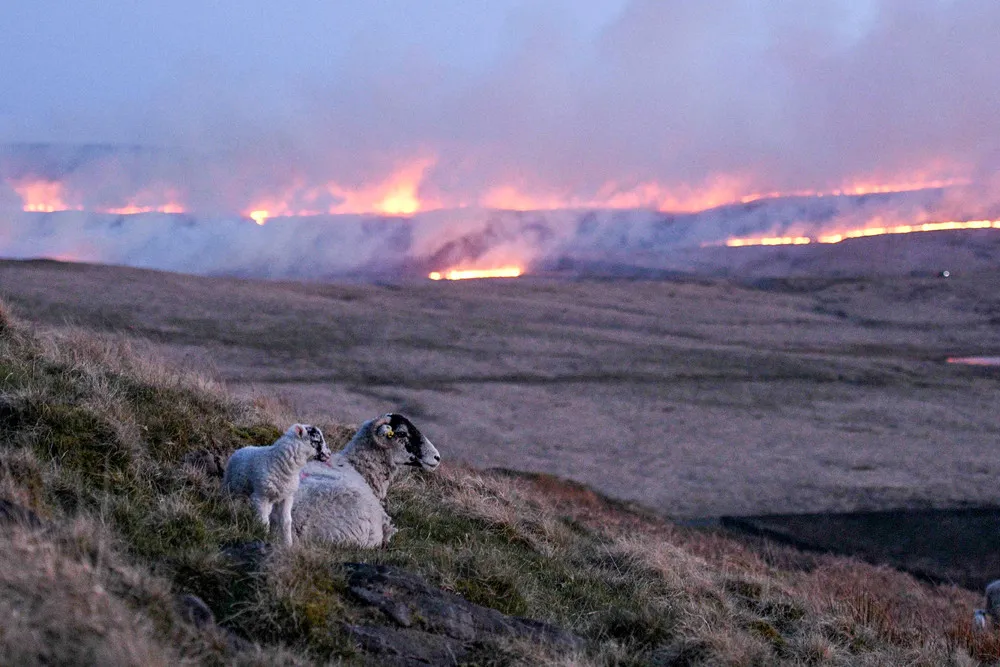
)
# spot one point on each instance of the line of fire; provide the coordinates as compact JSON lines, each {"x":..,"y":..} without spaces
{"x":399,"y":195}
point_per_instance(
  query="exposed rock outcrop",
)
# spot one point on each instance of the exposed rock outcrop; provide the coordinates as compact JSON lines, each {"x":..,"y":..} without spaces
{"x":430,"y":625}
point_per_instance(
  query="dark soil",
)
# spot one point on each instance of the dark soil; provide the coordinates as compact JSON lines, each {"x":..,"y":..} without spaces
{"x":960,"y":546}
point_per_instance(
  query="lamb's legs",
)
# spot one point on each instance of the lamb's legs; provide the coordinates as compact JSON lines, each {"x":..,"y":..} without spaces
{"x":263,"y":506}
{"x":388,"y":530}
{"x":285,"y":512}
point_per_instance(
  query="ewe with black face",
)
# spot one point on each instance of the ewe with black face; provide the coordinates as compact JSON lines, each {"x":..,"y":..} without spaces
{"x":341,"y":500}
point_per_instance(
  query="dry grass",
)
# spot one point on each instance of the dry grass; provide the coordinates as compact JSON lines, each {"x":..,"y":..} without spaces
{"x":56,"y":610}
{"x":94,"y":437}
{"x":651,"y":589}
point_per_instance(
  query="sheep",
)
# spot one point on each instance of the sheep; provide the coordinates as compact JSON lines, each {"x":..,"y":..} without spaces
{"x":984,"y":618}
{"x":341,"y":501}
{"x":270,"y":475}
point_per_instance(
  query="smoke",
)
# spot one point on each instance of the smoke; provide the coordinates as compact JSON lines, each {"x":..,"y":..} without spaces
{"x":373,"y":247}
{"x":555,"y":100}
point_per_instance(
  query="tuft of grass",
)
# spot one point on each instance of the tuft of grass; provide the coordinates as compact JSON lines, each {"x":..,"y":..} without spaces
{"x":496,"y":591}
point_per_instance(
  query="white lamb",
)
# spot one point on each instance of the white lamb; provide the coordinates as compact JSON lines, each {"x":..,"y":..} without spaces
{"x":270,"y":475}
{"x":341,"y":501}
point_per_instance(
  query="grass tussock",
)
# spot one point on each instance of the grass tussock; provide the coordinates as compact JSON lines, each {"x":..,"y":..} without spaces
{"x":104,"y":445}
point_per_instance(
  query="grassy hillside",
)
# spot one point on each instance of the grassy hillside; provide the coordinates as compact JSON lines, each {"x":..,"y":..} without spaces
{"x":103,"y":445}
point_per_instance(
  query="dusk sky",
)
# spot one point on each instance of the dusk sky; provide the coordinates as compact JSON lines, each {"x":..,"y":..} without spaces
{"x":549,"y":98}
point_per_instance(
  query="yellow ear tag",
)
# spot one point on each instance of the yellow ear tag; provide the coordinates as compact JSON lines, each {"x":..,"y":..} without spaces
{"x":389,"y":432}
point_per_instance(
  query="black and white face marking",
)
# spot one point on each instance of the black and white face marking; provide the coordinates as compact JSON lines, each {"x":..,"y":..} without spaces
{"x":318,"y":442}
{"x":419,"y":452}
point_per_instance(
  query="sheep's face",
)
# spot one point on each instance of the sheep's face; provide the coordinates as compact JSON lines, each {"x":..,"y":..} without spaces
{"x":407,"y":445}
{"x":316,"y":442}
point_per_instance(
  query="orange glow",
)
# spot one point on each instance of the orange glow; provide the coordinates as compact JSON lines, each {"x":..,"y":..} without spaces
{"x":260,"y":216}
{"x":149,"y":200}
{"x":507,"y":198}
{"x":49,"y":197}
{"x":41,"y":196}
{"x":975,"y":361}
{"x":769,"y":240}
{"x":857,"y":189}
{"x":399,"y":193}
{"x":650,"y":195}
{"x":466,"y":274}
{"x":265,"y":209}
{"x":876,"y":230}
{"x":396,"y":195}
{"x":66,"y":257}
{"x":715,"y":192}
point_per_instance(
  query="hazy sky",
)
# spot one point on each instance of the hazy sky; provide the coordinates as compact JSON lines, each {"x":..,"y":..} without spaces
{"x":543,"y":95}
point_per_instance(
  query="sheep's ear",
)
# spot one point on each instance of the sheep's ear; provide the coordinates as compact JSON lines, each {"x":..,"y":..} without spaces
{"x":300,"y":430}
{"x":386,"y":430}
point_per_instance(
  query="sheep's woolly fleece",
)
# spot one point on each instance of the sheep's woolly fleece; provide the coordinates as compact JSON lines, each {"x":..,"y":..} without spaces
{"x":341,"y":501}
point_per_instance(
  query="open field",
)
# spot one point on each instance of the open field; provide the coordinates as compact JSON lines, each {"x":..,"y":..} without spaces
{"x":696,"y":398}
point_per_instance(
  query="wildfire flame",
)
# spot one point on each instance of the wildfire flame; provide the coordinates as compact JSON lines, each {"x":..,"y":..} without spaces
{"x":466,"y":274}
{"x":715,"y":192}
{"x":49,"y":197}
{"x":260,"y":216}
{"x":864,"y":232}
{"x":395,"y":195}
{"x":975,"y":361}
{"x":41,"y":196}
{"x":400,"y":193}
{"x":857,"y":189}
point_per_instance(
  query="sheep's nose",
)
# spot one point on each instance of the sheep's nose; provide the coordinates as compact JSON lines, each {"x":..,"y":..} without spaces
{"x":437,"y":457}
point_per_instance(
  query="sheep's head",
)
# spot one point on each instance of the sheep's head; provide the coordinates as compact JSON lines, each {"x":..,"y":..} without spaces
{"x":313,"y":438}
{"x":407,"y":445}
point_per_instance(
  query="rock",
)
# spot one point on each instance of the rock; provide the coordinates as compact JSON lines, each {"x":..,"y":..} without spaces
{"x":203,"y":459}
{"x":12,"y":513}
{"x":194,"y":610}
{"x":445,"y":621}
{"x":404,"y":647}
{"x":249,"y":556}
{"x":10,"y":415}
{"x":396,"y":611}
{"x":682,"y":654}
{"x":236,"y":644}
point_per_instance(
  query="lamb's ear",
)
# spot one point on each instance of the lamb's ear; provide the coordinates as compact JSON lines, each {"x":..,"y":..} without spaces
{"x":300,"y":430}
